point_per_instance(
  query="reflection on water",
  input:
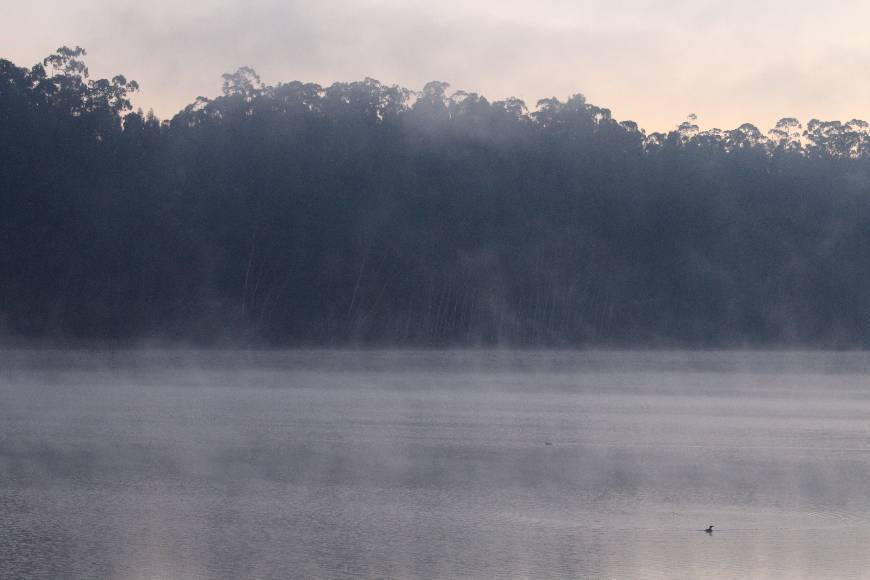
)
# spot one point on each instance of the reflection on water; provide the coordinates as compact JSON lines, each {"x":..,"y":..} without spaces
{"x":433,"y":464}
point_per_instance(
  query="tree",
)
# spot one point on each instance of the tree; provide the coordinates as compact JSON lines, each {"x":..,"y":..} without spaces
{"x":368,"y":213}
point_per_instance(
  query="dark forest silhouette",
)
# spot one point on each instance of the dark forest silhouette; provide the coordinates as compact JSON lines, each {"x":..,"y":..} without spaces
{"x":360,"y":212}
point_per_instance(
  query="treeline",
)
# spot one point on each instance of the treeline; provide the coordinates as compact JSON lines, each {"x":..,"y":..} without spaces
{"x":366,"y":213}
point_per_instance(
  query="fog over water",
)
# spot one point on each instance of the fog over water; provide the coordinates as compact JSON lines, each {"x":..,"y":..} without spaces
{"x":461,"y":464}
{"x":399,"y":289}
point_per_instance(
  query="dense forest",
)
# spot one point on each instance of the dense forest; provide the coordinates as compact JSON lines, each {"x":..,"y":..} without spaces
{"x":361,"y":213}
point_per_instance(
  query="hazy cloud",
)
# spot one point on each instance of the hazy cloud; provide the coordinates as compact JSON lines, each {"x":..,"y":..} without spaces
{"x":729,"y":61}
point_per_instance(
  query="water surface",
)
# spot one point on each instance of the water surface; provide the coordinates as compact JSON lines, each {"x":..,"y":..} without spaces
{"x":465,"y":464}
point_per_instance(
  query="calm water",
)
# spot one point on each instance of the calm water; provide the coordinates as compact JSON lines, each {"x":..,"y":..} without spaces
{"x":200,"y":465}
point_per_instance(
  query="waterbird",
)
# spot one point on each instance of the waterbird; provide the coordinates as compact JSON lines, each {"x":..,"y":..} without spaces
{"x":710,"y":529}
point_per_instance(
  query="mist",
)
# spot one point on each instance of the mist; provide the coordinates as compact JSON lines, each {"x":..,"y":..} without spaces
{"x":228,"y":464}
{"x":341,"y":327}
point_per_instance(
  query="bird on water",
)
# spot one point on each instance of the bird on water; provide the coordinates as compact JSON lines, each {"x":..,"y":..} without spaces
{"x":710,"y":529}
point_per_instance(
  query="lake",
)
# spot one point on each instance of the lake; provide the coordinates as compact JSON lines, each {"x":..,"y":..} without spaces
{"x":434,"y":464}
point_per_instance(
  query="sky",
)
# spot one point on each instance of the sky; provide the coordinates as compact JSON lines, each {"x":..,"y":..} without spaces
{"x":654,"y":62}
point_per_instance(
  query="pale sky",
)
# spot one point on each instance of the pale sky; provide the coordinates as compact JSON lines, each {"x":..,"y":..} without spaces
{"x":728,"y":61}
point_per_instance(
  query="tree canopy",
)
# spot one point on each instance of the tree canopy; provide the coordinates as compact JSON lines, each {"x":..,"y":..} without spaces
{"x":369,"y":213}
